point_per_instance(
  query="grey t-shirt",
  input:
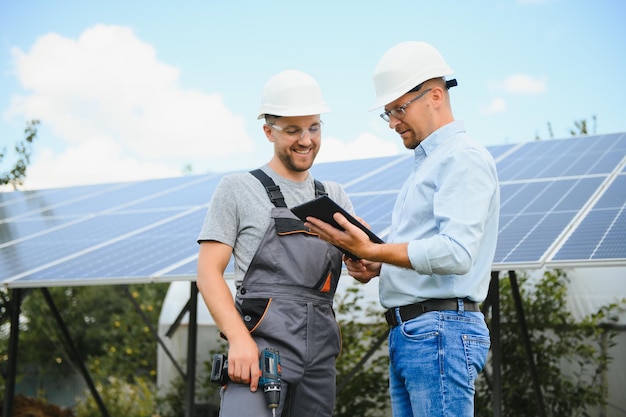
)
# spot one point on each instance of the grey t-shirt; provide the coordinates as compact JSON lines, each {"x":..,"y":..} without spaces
{"x":239,"y":212}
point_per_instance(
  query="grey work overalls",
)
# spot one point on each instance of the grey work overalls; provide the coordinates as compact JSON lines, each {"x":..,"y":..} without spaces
{"x":286,"y":299}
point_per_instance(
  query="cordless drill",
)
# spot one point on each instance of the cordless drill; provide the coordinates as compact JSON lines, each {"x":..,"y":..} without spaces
{"x":269,"y":362}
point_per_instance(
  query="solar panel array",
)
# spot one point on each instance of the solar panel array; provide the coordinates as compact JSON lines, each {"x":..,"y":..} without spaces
{"x":562,"y":204}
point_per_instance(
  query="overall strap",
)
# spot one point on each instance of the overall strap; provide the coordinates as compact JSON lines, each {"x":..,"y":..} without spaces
{"x":273,"y":190}
{"x":319,"y":189}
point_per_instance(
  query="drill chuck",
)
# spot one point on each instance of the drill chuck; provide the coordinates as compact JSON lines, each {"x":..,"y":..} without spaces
{"x":272,"y":394}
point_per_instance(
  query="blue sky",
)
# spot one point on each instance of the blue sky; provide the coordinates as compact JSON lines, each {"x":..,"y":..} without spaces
{"x":127,"y":90}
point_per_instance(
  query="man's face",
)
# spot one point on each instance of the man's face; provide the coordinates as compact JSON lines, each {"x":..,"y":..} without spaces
{"x":413,"y":125}
{"x":296,"y":140}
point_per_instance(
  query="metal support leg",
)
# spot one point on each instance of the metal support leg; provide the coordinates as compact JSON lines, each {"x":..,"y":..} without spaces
{"x":9,"y":388}
{"x":496,"y":345}
{"x":192,"y":339}
{"x":526,"y":339}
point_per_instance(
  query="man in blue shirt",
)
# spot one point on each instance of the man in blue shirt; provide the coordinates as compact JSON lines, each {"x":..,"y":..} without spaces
{"x":435,"y":267}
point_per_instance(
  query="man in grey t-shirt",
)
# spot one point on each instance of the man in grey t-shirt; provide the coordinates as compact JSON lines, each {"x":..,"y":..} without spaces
{"x":286,"y":276}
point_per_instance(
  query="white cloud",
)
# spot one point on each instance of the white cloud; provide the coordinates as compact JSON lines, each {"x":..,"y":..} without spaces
{"x":521,"y":84}
{"x":497,"y":105}
{"x":108,"y":88}
{"x":92,"y":161}
{"x":364,"y":146}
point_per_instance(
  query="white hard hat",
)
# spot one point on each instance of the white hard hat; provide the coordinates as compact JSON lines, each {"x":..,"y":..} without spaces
{"x":292,"y":93}
{"x":405,"y":66}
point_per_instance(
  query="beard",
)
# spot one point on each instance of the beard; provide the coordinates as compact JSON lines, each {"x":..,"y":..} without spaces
{"x":297,"y":164}
{"x":411,"y":142}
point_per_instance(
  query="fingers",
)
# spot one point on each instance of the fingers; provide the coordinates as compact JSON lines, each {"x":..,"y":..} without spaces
{"x":361,"y":275}
{"x":255,"y":374}
{"x":243,"y":365}
{"x":362,"y":270}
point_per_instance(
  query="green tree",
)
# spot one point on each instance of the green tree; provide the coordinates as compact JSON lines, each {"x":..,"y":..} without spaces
{"x":556,"y":339}
{"x":23,"y":150}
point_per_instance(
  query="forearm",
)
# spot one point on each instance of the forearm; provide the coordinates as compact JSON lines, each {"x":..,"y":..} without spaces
{"x":389,"y":253}
{"x":220,"y":303}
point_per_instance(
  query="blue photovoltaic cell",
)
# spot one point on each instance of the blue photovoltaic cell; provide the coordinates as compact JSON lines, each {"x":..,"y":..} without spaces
{"x":587,"y":236}
{"x":197,"y":191}
{"x":344,"y":172}
{"x":136,"y":256}
{"x":375,"y":210}
{"x":19,"y":229}
{"x":565,"y":157}
{"x":615,"y":195}
{"x":533,"y":215}
{"x":148,"y":229}
{"x":389,"y":178}
{"x":35,"y":202}
{"x":190,"y":268}
{"x":58,"y":244}
{"x":602,"y":233}
{"x":536,"y":238}
{"x":499,"y":150}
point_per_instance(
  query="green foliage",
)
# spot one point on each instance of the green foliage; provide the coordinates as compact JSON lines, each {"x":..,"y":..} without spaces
{"x":581,"y":128}
{"x":172,"y":402}
{"x":111,"y":336}
{"x":122,"y":398}
{"x":367,"y":392}
{"x":556,"y":339}
{"x":23,"y":150}
{"x":129,"y":347}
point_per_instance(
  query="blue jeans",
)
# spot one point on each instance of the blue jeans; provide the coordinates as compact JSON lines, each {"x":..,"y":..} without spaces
{"x":434,"y":361}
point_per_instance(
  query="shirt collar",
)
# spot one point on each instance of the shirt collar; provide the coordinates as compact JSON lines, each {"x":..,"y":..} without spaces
{"x":439,"y":136}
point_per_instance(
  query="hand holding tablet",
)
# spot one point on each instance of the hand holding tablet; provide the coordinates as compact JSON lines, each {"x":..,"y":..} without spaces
{"x":323,"y":208}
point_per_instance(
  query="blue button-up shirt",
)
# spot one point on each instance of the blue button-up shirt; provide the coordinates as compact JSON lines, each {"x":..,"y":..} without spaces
{"x":448,"y":210}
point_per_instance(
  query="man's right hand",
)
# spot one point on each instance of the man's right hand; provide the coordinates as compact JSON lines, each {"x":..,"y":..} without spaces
{"x":243,"y":361}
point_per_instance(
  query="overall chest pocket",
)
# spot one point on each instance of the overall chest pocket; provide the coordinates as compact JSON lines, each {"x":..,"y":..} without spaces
{"x":308,"y":260}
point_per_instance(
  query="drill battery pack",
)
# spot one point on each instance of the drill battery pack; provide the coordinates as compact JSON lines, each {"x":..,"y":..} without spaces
{"x":219,"y":370}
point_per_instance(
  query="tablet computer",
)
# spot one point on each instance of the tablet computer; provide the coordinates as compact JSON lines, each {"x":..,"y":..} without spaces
{"x":323,"y":208}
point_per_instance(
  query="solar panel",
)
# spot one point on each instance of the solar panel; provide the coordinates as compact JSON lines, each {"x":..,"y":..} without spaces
{"x":563,"y":202}
{"x":56,"y":240}
{"x":601,"y":235}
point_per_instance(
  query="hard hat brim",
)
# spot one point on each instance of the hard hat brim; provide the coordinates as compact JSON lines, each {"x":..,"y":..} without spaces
{"x":282,"y":112}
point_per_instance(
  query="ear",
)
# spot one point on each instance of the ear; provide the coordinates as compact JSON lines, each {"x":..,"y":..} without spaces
{"x":437,"y":94}
{"x":268,"y":133}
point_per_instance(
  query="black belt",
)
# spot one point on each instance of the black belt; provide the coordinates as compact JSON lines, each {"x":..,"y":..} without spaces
{"x":413,"y":310}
